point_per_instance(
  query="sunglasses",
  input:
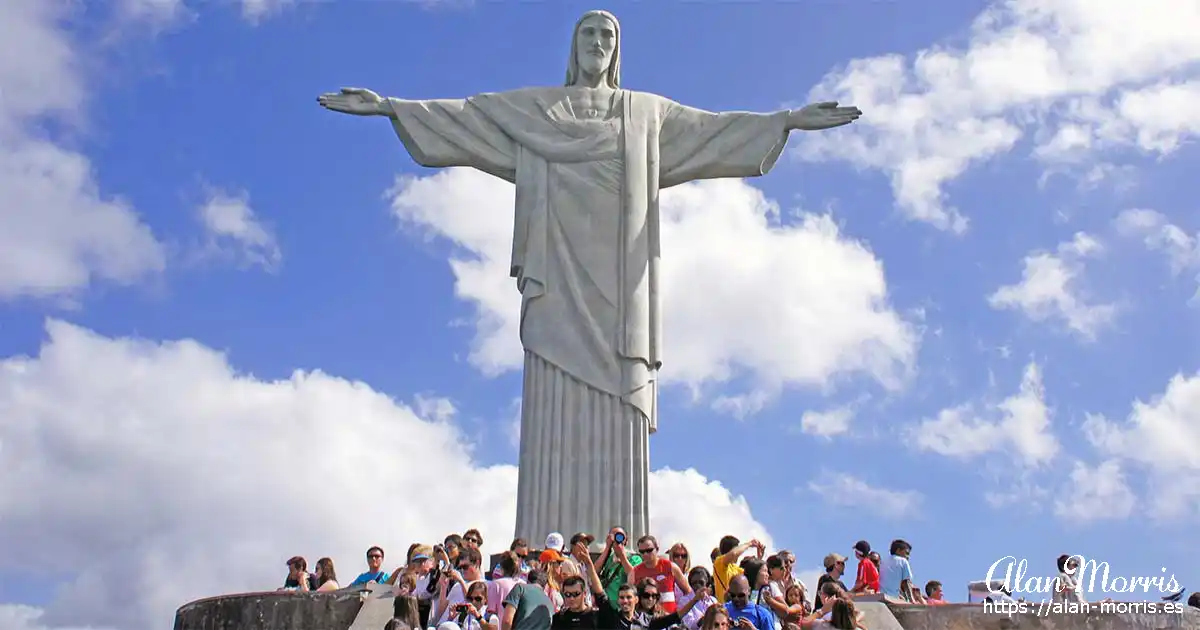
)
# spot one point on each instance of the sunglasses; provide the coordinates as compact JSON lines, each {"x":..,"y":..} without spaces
{"x":477,"y":541}
{"x":463,"y":567}
{"x":648,"y":595}
{"x":679,"y":556}
{"x":739,"y":595}
{"x":646,"y":551}
{"x":572,"y":594}
{"x":374,"y":556}
{"x":476,"y":600}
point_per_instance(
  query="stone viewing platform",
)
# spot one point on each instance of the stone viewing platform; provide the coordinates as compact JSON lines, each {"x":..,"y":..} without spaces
{"x":369,"y":609}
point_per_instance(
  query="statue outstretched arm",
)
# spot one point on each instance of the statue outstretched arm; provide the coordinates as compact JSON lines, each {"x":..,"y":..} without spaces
{"x":356,"y":101}
{"x":436,"y":133}
{"x":824,"y":115}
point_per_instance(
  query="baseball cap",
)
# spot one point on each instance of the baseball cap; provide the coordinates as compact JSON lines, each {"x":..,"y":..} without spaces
{"x":582,"y":537}
{"x":422,"y":552}
{"x":862,"y":547}
{"x":833,"y":559}
{"x":550,"y":555}
{"x":554,"y":541}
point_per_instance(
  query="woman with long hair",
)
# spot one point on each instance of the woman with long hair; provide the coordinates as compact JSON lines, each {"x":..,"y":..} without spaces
{"x":405,"y":615}
{"x":326,"y":576}
{"x":678,"y":553}
{"x":756,"y":574}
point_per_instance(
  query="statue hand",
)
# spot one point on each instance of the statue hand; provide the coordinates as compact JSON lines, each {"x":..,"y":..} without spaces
{"x":357,"y":101}
{"x":824,"y":115}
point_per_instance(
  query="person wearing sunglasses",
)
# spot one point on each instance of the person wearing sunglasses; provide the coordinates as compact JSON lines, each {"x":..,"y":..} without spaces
{"x":472,"y":613}
{"x":374,"y":572}
{"x":637,"y":607}
{"x":661,"y":572}
{"x":701,"y":598}
{"x":745,"y":614}
{"x":452,"y":586}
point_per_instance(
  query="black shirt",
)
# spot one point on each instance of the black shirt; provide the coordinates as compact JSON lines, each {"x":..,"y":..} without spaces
{"x":604,"y":617}
{"x":290,"y":583}
{"x":821,"y":582}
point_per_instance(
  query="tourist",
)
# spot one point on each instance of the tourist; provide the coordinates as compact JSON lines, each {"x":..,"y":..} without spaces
{"x":660,"y":571}
{"x":744,"y":612}
{"x":725,"y":565}
{"x":773,"y":596}
{"x":835,"y":568}
{"x":507,"y":570}
{"x":326,"y":577}
{"x":866,"y":579}
{"x":678,"y":553}
{"x":374,"y":572}
{"x":298,"y":578}
{"x":755,"y":570}
{"x":795,"y":606}
{"x":521,"y":549}
{"x":895,"y":575}
{"x":1066,"y":585}
{"x":716,"y":618}
{"x":933,"y":593}
{"x":526,"y":608}
{"x":473,"y":612}
{"x":473,"y":539}
{"x":701,"y":583}
{"x":452,"y":587}
{"x":405,"y":614}
{"x":616,"y":563}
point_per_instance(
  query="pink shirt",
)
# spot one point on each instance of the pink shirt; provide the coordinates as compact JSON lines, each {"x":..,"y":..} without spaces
{"x":497,"y":590}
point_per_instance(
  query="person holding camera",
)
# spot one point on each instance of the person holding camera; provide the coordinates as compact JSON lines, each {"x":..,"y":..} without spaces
{"x":616,"y":564}
{"x":472,"y":613}
{"x":454,"y":582}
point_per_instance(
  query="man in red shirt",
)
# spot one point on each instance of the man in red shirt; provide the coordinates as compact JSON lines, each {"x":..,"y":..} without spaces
{"x":867,"y":580}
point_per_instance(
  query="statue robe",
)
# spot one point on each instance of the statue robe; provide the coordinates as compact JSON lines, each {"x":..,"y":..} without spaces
{"x":586,"y":260}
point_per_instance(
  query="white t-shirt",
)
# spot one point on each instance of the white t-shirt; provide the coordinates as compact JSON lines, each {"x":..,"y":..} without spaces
{"x":453,"y":598}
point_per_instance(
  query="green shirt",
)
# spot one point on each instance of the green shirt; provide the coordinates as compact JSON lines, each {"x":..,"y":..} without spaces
{"x":612,"y":575}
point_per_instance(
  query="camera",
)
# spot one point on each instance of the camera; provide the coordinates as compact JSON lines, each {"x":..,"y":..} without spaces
{"x":619,"y":538}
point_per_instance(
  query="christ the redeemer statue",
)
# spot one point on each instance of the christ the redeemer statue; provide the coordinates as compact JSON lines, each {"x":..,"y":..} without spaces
{"x":588,"y":160}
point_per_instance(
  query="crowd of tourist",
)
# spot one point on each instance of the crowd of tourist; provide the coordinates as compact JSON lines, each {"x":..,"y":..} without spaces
{"x":632,"y":585}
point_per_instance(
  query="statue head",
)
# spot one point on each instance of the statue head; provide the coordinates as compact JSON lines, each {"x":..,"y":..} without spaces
{"x":596,"y":49}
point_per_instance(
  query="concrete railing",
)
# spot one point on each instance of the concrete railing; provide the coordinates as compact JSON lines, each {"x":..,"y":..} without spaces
{"x":339,"y":610}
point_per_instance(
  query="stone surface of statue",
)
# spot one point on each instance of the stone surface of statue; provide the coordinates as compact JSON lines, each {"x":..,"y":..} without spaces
{"x":588,"y":160}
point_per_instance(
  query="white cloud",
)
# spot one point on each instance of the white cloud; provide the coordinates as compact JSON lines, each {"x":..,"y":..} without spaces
{"x":144,"y":461}
{"x":845,"y":490}
{"x":19,"y":617}
{"x":234,"y":231}
{"x":796,"y":304}
{"x":255,"y":11}
{"x":1095,"y":493}
{"x":1158,"y":234}
{"x":58,"y":233}
{"x":155,"y":14}
{"x":827,"y":423}
{"x":1161,"y":436}
{"x":1020,"y":425}
{"x":1049,"y":289}
{"x":1046,"y":69}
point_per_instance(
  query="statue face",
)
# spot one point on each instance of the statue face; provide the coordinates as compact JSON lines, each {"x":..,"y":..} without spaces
{"x":595,"y":42}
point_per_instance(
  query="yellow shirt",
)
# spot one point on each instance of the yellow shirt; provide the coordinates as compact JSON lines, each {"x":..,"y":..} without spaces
{"x":723,"y":574}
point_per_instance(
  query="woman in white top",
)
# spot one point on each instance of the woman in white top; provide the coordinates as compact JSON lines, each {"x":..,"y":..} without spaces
{"x":1066,"y":585}
{"x":472,"y":614}
{"x":698,"y":578}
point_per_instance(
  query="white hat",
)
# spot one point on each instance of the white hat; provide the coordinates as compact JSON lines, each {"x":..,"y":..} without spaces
{"x":554,"y":541}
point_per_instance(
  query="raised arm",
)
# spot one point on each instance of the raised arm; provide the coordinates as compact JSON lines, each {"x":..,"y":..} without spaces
{"x":436,"y":133}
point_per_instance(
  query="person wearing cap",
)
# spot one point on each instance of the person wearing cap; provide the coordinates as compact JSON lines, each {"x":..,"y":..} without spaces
{"x":835,"y":567}
{"x":554,"y":541}
{"x":867,"y":578}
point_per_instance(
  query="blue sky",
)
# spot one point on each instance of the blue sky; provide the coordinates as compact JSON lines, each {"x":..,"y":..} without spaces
{"x":932,"y":325}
